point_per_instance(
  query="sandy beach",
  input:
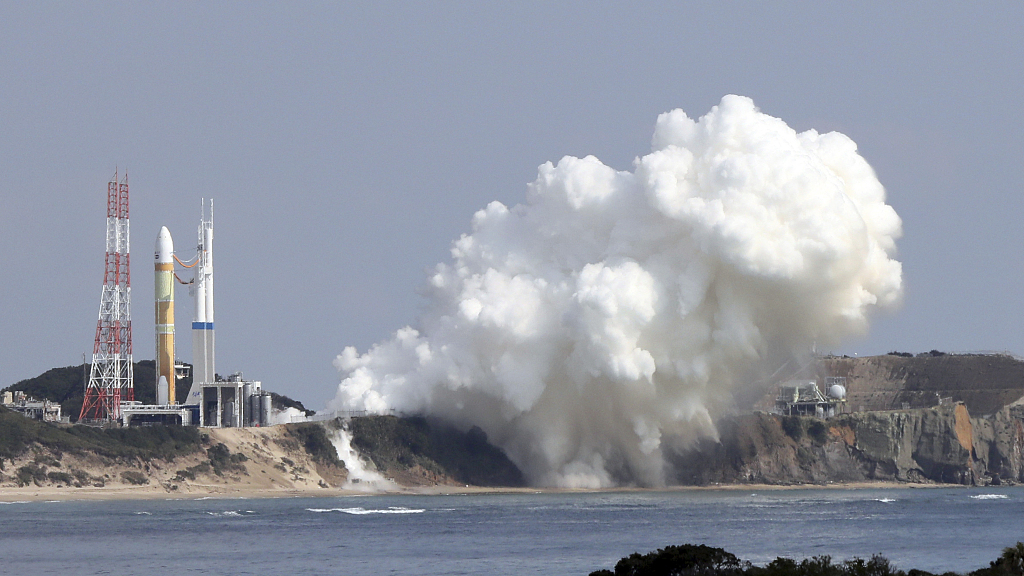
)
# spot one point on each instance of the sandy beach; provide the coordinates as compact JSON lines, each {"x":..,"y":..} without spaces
{"x":244,"y":489}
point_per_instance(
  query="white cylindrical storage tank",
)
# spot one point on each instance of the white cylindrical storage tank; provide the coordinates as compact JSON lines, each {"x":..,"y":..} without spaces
{"x":254,"y":408}
{"x":265,"y":409}
{"x":246,"y":405}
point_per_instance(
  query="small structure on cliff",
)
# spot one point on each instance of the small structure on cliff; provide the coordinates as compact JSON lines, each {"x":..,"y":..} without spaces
{"x":803,"y":398}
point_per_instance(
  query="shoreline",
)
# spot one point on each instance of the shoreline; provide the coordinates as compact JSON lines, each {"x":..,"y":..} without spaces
{"x":52,"y":494}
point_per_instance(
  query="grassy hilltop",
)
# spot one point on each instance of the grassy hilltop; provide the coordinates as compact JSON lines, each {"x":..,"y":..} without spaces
{"x":67,"y":386}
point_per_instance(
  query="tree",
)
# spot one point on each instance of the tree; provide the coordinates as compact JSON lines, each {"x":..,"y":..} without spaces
{"x":1012,"y":559}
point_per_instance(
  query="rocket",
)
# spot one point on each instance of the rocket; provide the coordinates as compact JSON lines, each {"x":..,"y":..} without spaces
{"x":203,"y":369}
{"x":164,"y":297}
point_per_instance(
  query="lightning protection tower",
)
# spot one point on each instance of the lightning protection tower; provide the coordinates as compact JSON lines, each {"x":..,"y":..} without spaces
{"x":110,"y":378}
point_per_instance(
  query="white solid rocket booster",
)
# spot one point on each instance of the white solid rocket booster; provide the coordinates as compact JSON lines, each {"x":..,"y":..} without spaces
{"x":164,"y":298}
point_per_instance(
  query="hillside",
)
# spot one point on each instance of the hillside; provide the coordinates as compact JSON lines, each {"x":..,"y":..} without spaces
{"x":416,"y":451}
{"x":983,"y":382}
{"x":67,"y":386}
{"x":295,"y":458}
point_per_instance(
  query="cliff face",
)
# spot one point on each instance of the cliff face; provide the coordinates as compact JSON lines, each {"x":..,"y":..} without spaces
{"x":941,"y":444}
{"x":984,"y":382}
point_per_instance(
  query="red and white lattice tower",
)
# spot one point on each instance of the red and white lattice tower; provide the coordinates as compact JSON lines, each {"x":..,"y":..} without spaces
{"x":110,"y":379}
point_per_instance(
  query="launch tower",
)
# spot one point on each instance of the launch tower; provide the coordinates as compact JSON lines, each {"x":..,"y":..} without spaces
{"x":110,"y":378}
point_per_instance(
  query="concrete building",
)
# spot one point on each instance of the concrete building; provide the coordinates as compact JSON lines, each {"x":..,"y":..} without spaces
{"x":44,"y":410}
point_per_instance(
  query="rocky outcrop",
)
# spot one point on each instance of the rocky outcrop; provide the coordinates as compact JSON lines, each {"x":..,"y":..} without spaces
{"x":985,"y":383}
{"x":998,"y":442}
{"x":942,"y":444}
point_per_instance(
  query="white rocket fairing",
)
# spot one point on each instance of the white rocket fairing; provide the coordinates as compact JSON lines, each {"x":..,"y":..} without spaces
{"x":164,"y":299}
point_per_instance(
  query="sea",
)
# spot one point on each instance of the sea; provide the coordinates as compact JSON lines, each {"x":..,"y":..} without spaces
{"x":935,"y":529}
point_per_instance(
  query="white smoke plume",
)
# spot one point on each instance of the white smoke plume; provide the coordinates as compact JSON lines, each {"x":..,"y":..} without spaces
{"x":612,"y":317}
{"x":286,"y":416}
{"x":362,"y":476}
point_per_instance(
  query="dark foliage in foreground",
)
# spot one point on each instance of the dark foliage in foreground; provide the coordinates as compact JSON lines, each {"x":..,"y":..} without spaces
{"x":701,"y":560}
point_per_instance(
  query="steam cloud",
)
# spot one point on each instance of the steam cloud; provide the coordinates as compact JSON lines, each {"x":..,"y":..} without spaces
{"x":608,"y":321}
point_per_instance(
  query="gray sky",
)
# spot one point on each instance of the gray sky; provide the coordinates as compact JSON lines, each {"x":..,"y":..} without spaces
{"x":346,"y":147}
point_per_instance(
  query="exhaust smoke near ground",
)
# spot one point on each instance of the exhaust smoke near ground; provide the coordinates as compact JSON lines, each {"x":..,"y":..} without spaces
{"x":611,"y":318}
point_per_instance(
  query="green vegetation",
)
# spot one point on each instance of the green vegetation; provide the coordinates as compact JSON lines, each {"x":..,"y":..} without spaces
{"x":280,"y":402}
{"x":399,"y":443}
{"x":313,"y":438}
{"x":793,"y":427}
{"x":700,"y":560}
{"x":797,"y":427}
{"x":67,"y":386}
{"x":222,"y":460}
{"x":135,"y":478}
{"x":59,"y":477}
{"x":17,"y":434}
{"x":31,"y":473}
{"x":818,"y":432}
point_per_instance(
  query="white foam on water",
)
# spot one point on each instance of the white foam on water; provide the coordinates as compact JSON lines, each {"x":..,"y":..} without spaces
{"x":989,"y":497}
{"x":359,"y":511}
{"x":225,"y":513}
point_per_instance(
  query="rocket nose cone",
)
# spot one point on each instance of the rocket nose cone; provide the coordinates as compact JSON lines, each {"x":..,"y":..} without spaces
{"x":164,"y":246}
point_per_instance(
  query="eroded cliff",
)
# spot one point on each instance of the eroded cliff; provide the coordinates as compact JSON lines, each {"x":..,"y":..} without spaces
{"x":940,"y":444}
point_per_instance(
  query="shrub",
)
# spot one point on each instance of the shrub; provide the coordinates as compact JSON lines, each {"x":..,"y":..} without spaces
{"x":222,"y":460}
{"x":314,"y":439}
{"x":133,"y":477}
{"x":793,"y":428}
{"x":685,"y":559}
{"x":60,"y":477}
{"x":691,"y":560}
{"x":818,"y":432}
{"x":30,"y":473}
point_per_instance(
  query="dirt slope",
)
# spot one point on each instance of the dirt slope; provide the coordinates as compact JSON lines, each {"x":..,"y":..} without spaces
{"x":231,"y":461}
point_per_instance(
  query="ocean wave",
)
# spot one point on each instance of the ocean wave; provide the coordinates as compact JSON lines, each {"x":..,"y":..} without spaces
{"x":886,"y":500}
{"x":989,"y":497}
{"x":231,"y":513}
{"x":362,"y":511}
{"x":143,"y":513}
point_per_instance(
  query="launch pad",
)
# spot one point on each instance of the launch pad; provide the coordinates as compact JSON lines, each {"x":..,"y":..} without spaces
{"x":109,"y":394}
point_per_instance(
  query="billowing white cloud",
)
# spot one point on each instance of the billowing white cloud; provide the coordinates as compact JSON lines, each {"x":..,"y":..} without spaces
{"x":614,"y":316}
